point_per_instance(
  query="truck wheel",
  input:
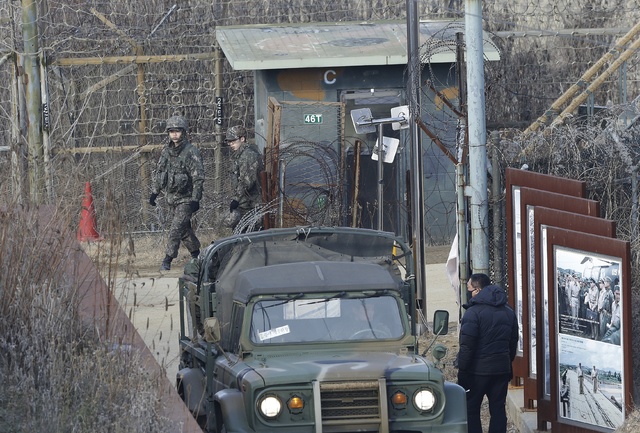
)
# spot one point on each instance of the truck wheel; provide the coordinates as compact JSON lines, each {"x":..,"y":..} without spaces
{"x":213,"y":423}
{"x":209,"y":425}
{"x":221,"y":428}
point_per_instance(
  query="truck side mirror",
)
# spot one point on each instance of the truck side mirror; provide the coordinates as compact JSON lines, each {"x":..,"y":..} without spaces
{"x":211,"y":330}
{"x":440,"y":322}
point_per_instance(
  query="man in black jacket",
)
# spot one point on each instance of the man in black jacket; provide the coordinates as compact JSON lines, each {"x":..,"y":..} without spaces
{"x":488,"y":343}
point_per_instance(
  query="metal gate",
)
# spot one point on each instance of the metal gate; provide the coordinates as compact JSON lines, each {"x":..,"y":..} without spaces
{"x":305,"y":163}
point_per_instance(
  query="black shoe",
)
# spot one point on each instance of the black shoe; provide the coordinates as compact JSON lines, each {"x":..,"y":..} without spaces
{"x":166,"y":264}
{"x":195,"y":254}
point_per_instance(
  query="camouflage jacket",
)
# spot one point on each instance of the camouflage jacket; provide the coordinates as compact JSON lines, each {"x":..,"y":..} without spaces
{"x":179,"y":173}
{"x":247,"y":166}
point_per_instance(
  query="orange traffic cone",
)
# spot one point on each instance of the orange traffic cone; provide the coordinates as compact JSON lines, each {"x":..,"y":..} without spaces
{"x":87,"y":227}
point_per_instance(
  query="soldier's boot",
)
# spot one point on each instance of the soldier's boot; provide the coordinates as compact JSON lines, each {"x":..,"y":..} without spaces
{"x":166,"y":263}
{"x":195,"y":254}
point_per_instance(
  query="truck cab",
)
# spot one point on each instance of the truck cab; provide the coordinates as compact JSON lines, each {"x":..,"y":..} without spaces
{"x":309,"y":330}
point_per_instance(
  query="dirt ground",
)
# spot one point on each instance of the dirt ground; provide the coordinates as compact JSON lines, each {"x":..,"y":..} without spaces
{"x":436,"y":254}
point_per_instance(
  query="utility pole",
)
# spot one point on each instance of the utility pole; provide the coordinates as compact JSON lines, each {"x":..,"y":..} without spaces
{"x":477,"y":188}
{"x":33,"y":95}
{"x":417,"y":177}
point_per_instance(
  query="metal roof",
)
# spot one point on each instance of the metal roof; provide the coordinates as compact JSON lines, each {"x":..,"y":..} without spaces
{"x":342,"y":44}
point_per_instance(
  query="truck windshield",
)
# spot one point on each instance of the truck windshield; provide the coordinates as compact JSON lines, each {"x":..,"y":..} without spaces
{"x":328,"y":319}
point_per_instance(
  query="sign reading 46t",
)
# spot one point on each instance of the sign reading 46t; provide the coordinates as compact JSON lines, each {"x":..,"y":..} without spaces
{"x":312,"y":119}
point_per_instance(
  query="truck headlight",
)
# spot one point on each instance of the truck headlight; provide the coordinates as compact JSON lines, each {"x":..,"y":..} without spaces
{"x":424,"y":400}
{"x":270,"y":406}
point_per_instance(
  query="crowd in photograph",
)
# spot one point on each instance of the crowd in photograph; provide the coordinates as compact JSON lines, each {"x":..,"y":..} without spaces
{"x":590,"y":307}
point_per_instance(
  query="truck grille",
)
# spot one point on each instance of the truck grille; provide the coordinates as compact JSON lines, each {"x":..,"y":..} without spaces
{"x":350,"y":401}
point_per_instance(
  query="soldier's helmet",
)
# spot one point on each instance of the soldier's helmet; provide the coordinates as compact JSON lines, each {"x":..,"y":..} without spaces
{"x":177,"y":122}
{"x":235,"y":132}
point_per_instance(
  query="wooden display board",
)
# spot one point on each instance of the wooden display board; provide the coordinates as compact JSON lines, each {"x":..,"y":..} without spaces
{"x":539,"y":341}
{"x":590,"y":379}
{"x":516,"y":179}
{"x":529,"y":199}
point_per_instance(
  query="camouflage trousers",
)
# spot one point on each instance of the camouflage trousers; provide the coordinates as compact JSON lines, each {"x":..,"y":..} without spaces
{"x":180,"y":230}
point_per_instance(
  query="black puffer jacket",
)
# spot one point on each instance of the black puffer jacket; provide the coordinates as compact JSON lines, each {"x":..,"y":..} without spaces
{"x":488,"y":334}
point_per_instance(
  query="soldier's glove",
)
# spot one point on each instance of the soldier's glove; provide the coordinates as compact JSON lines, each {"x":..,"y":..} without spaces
{"x":233,"y":205}
{"x":152,"y":199}
{"x":194,"y":205}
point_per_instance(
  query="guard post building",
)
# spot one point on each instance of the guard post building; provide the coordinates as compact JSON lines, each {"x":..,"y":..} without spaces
{"x":308,"y":78}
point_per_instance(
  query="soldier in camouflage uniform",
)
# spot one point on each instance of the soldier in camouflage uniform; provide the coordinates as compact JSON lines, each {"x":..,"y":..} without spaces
{"x":247,"y":166}
{"x":180,"y":174}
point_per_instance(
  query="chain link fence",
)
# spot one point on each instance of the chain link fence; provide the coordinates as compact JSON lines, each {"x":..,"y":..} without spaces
{"x":114,"y":71}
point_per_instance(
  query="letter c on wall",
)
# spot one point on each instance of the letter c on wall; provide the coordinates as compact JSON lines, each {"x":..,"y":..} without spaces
{"x":327,"y":74}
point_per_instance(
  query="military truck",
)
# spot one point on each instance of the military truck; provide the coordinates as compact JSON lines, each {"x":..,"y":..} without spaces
{"x":310,"y":330}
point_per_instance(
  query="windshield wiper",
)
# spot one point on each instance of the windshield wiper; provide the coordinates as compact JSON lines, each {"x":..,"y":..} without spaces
{"x":288,"y":298}
{"x":336,"y":296}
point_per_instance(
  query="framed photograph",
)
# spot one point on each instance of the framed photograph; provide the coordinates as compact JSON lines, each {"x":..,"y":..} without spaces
{"x":544,"y":217}
{"x":515,"y":180}
{"x":523,"y":293}
{"x":590,"y":370}
{"x":529,"y":200}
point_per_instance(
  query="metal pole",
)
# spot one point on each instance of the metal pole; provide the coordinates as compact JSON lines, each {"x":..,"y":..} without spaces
{"x":463,"y":266}
{"x":478,"y":201}
{"x":219,"y":95}
{"x":33,"y":98}
{"x":380,"y":176}
{"x":496,"y":188}
{"x":417,"y":178}
{"x":18,"y":126}
{"x":46,"y":125}
{"x":461,"y":179}
{"x":634,"y":202}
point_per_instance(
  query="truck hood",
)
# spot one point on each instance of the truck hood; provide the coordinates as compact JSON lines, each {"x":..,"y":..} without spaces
{"x":300,"y":367}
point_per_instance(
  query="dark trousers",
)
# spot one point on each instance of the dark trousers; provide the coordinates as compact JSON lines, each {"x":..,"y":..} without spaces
{"x":495,"y":388}
{"x":181,"y":230}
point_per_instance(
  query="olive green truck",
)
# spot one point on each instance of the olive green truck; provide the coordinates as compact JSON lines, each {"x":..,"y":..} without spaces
{"x":310,"y":330}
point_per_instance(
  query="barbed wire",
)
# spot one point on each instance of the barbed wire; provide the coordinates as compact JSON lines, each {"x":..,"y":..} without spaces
{"x":116,"y":108}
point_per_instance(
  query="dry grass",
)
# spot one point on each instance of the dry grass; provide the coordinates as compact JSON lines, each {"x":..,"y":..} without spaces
{"x":56,"y":374}
{"x":631,"y":424}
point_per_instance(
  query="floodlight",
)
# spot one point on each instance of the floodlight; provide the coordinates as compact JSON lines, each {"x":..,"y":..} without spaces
{"x":389,"y":149}
{"x":361,"y":119}
{"x":400,"y":112}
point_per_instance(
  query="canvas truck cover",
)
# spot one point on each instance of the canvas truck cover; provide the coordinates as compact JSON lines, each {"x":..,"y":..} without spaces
{"x":227,"y":258}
